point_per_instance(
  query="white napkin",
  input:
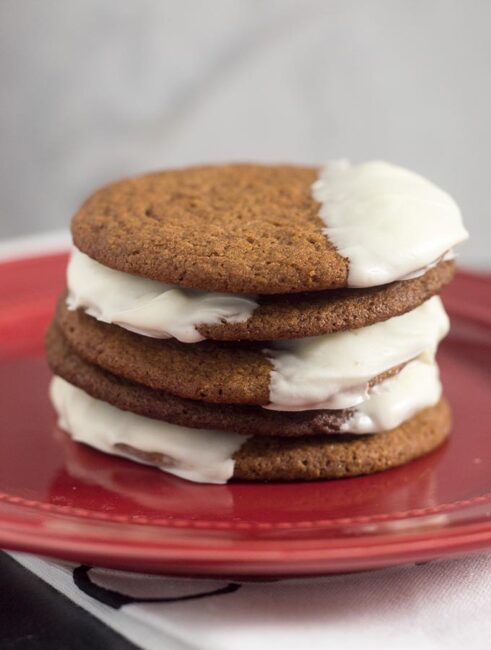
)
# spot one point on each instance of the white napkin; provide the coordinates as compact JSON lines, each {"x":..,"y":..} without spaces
{"x":444,"y":604}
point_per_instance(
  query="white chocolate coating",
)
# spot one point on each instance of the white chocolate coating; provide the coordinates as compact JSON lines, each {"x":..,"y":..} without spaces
{"x":333,"y":371}
{"x":147,"y":307}
{"x":397,"y":399}
{"x":198,"y":455}
{"x":388,"y":221}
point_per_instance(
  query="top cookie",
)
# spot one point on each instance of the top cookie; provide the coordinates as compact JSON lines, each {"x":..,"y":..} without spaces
{"x":232,"y":228}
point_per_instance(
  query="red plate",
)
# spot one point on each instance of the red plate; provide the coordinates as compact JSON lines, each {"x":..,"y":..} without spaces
{"x":65,"y":500}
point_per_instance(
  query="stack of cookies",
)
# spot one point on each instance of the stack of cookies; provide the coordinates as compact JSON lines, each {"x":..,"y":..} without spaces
{"x":258,"y":322}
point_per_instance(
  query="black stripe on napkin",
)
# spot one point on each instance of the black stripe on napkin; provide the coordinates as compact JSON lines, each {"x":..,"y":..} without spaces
{"x":116,"y":600}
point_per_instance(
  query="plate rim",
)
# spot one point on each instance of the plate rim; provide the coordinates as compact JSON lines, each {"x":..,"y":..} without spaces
{"x":203,"y":524}
{"x":284,"y":557}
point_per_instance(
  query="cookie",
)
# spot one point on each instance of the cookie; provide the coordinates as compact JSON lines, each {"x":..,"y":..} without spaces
{"x":325,"y":457}
{"x":308,"y":459}
{"x":238,"y":228}
{"x":324,"y":312}
{"x":222,"y":373}
{"x":158,"y":310}
{"x":159,"y":405}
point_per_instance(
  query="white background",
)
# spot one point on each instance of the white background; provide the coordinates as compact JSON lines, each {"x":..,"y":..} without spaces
{"x":95,"y":89}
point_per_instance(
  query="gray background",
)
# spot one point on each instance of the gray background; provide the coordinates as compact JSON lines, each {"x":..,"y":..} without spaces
{"x":94,"y":89}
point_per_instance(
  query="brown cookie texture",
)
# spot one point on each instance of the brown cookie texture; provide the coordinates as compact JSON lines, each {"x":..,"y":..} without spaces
{"x":332,"y":457}
{"x":207,"y":371}
{"x":217,"y":372}
{"x":128,"y":396}
{"x":237,"y":228}
{"x":324,"y":312}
